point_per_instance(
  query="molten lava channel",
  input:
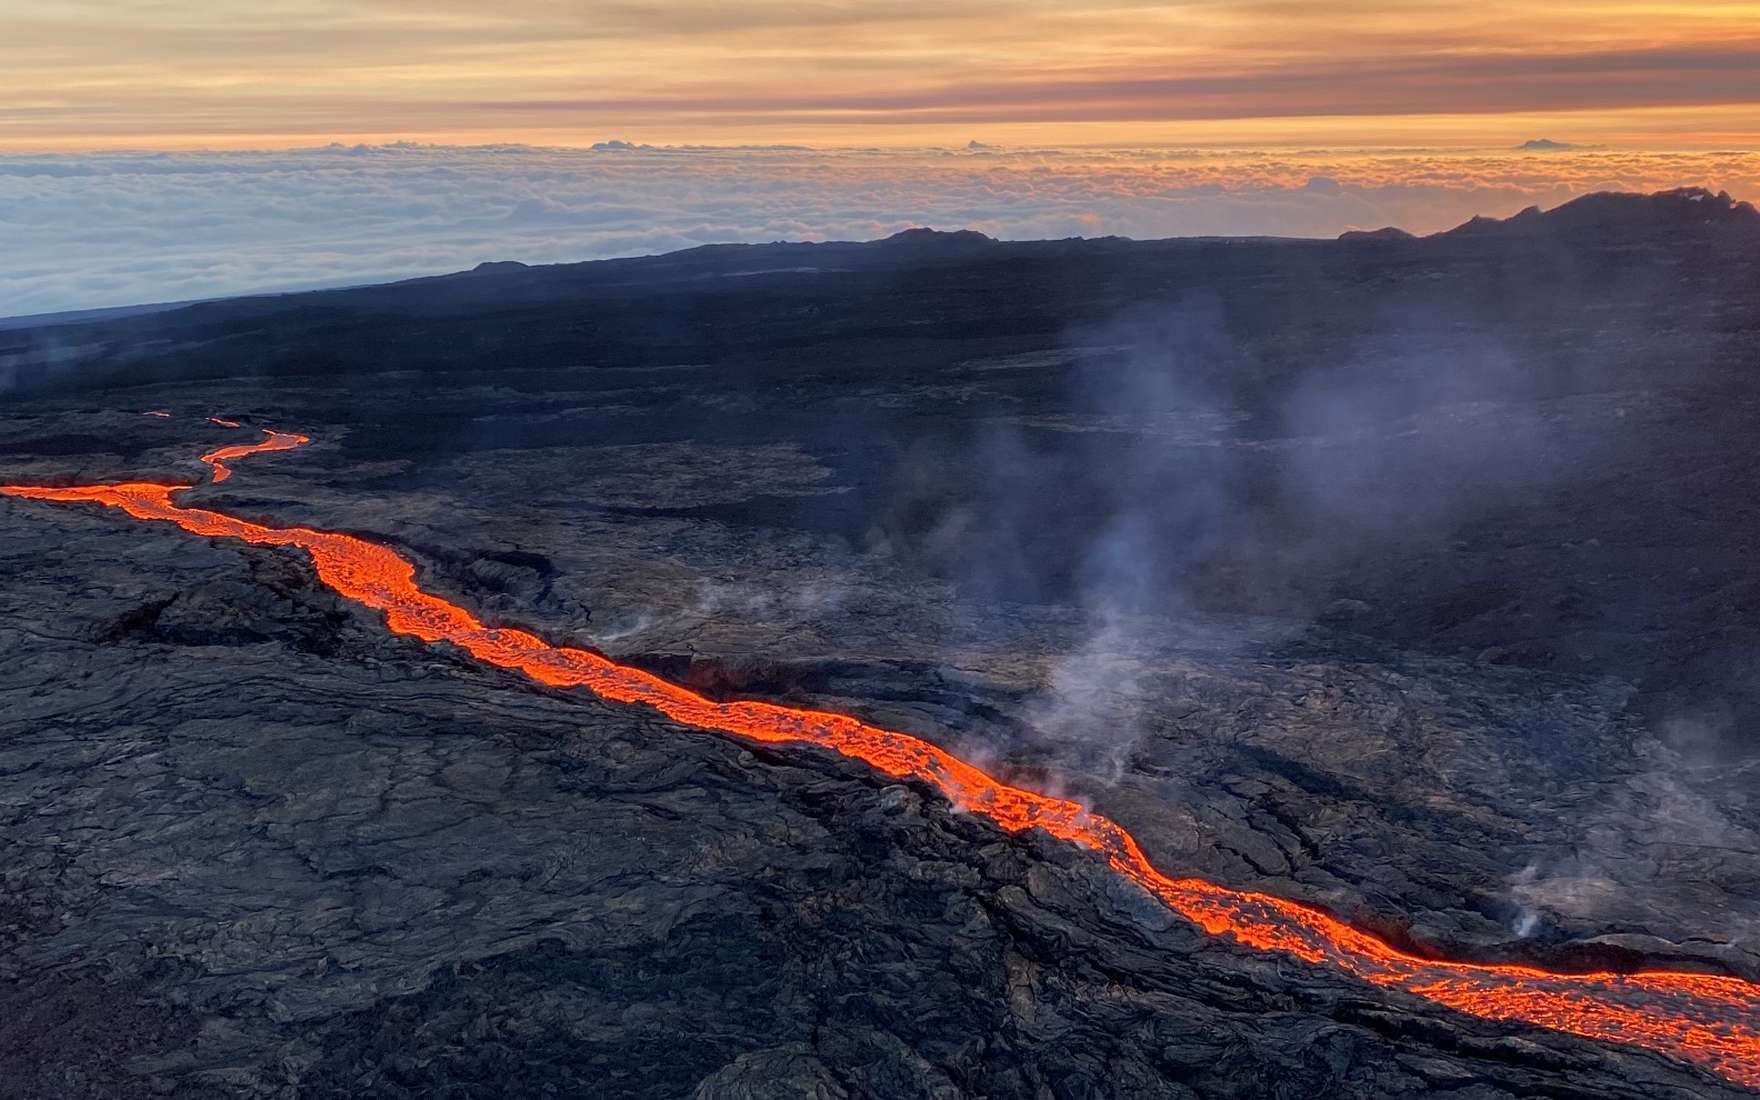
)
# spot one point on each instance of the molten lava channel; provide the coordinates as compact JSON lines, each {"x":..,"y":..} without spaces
{"x":1710,"y":1020}
{"x":275,"y":441}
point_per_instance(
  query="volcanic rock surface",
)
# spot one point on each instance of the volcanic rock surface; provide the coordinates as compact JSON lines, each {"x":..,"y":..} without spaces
{"x":1411,"y":579}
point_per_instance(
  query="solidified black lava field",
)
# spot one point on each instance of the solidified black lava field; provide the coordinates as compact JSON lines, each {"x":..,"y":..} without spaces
{"x":1413,"y":579}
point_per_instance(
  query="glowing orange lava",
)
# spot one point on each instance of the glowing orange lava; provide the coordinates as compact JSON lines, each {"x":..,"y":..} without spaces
{"x":277,"y":441}
{"x":1709,"y":1020}
{"x":161,"y":413}
{"x":224,"y":423}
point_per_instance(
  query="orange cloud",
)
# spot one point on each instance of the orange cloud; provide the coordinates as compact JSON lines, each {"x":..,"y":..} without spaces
{"x":228,"y":72}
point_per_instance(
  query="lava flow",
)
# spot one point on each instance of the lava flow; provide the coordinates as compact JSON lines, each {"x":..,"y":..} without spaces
{"x":1709,"y":1020}
{"x":277,"y":441}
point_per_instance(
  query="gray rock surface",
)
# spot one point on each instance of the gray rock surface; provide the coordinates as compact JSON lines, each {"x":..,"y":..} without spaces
{"x":254,"y":845}
{"x":250,"y":868}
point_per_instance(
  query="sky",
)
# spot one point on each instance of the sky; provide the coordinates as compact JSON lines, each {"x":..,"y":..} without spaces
{"x":79,"y":74}
{"x":155,"y":150}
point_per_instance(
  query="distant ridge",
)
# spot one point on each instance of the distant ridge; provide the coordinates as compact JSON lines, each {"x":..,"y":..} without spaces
{"x":1603,"y":218}
{"x":1684,"y":209}
{"x":923,"y":237}
{"x":89,"y":316}
{"x":1611,"y":214}
{"x":1385,"y":233}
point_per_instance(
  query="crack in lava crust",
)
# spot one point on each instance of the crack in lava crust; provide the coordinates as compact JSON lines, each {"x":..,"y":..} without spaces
{"x":1710,"y":1020}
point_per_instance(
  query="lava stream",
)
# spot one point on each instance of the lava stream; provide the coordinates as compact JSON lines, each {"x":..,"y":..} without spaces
{"x":1710,"y":1020}
{"x":277,"y":441}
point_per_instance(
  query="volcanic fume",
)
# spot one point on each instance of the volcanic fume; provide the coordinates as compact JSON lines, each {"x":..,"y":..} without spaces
{"x":1710,"y":1020}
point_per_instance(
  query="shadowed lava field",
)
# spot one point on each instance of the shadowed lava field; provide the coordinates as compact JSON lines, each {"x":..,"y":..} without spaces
{"x":1411,"y":578}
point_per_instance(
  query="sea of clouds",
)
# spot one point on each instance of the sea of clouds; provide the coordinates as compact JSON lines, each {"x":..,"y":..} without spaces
{"x":105,"y":229}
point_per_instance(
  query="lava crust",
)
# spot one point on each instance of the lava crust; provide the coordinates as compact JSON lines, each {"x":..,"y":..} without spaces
{"x":1422,"y":679}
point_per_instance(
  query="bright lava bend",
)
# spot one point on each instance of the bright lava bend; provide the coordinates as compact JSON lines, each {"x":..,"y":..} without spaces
{"x":275,"y":441}
{"x":1710,"y":1020}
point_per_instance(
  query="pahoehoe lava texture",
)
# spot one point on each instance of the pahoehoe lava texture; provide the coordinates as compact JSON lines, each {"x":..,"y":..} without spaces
{"x":1709,"y":1020}
{"x":255,"y":844}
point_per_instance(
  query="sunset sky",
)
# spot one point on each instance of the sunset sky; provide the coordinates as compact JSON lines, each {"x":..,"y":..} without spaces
{"x":155,"y":150}
{"x":82,"y":74}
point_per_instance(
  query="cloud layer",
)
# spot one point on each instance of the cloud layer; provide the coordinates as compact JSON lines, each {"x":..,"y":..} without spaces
{"x":91,"y":230}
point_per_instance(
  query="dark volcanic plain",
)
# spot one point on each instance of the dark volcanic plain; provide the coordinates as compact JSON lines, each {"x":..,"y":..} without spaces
{"x":1412,"y":578}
